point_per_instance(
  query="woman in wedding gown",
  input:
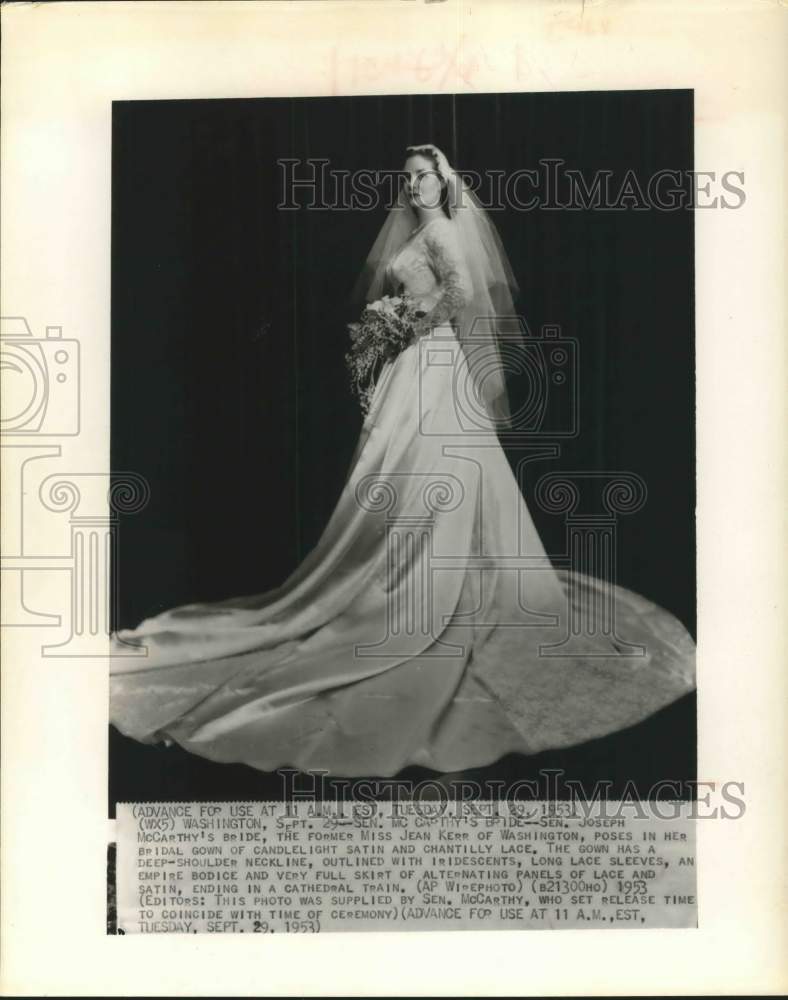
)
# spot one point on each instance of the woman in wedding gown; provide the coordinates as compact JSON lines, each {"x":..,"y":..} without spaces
{"x":428,"y":626}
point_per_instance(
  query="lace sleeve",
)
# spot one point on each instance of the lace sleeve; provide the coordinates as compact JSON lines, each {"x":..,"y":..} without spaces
{"x":449,"y":266}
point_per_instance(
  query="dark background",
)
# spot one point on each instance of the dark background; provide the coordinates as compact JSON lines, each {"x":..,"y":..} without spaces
{"x":229,"y":392}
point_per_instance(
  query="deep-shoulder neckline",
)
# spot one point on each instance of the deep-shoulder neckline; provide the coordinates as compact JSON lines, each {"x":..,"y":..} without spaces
{"x":423,"y":226}
{"x":414,"y":233}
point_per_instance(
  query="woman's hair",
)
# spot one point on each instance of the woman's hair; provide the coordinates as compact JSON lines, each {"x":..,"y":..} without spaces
{"x":430,"y":153}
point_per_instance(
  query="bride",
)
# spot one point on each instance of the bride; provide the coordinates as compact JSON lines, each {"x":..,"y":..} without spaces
{"x":428,"y":626}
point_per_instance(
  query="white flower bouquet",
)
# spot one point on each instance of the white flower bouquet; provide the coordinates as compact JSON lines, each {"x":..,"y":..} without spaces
{"x":386,"y":327}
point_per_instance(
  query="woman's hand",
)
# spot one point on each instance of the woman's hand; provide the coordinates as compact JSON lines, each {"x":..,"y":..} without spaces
{"x":422,"y":325}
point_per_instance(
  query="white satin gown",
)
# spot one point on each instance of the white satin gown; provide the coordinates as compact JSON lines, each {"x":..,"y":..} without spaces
{"x":427,"y":627}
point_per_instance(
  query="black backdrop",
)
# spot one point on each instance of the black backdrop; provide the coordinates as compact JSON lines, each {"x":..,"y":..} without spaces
{"x":228,"y":333}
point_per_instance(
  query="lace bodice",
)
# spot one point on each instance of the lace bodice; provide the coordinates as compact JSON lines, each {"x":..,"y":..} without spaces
{"x":430,"y":267}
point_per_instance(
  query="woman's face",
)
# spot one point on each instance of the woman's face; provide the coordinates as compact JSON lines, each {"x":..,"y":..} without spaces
{"x":422,"y":182}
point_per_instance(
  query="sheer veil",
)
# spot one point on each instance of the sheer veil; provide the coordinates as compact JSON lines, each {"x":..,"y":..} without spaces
{"x":487,"y":327}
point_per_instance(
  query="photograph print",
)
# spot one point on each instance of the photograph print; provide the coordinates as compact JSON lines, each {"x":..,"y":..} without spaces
{"x":410,"y":380}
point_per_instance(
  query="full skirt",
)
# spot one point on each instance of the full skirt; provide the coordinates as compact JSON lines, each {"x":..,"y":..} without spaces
{"x":427,"y":627}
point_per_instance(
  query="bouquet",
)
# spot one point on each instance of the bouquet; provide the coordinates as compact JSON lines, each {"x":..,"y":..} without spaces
{"x":386,"y":327}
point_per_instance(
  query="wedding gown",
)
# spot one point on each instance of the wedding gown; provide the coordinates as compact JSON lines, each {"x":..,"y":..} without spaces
{"x":426,"y":626}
